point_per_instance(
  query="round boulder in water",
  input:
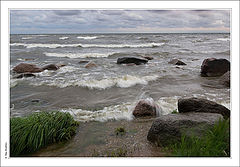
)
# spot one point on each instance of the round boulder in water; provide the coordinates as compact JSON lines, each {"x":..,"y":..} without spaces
{"x":145,"y":108}
{"x":129,"y":60}
{"x":50,"y":67}
{"x":212,"y":67}
{"x":27,"y":68}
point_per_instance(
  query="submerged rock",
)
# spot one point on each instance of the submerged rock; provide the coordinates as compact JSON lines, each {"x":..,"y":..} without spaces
{"x":90,"y":65}
{"x":128,"y":60}
{"x":148,"y":57}
{"x":202,"y":105}
{"x":212,"y":67}
{"x":176,"y":62}
{"x":145,"y":108}
{"x":168,"y":129}
{"x":83,"y":62}
{"x":25,"y":75}
{"x":50,"y":67}
{"x":225,"y":79}
{"x":25,"y":68}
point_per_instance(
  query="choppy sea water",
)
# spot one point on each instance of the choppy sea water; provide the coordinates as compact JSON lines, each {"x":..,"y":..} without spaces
{"x":110,"y":91}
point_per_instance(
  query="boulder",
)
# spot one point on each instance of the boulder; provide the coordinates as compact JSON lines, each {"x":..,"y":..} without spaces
{"x":25,"y":75}
{"x":51,"y":67}
{"x":90,"y":65}
{"x":128,"y":60}
{"x":225,"y":79}
{"x":145,"y":108}
{"x":212,"y":67}
{"x":176,"y":62}
{"x":202,"y":105}
{"x":168,"y":129}
{"x":25,"y":68}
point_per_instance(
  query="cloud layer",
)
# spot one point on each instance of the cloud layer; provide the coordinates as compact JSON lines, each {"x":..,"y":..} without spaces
{"x":109,"y":21}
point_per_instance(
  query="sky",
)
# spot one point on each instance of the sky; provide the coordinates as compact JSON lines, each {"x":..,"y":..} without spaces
{"x":119,"y":21}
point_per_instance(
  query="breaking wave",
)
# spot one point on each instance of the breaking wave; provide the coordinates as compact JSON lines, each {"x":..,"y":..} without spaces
{"x":146,"y":45}
{"x":79,"y":55}
{"x":63,"y":38}
{"x":121,"y":81}
{"x":87,"y":37}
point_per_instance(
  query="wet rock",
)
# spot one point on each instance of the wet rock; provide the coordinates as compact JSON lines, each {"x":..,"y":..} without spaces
{"x":25,"y":68}
{"x":83,"y":62}
{"x":145,"y":108}
{"x":212,"y":67}
{"x":90,"y":65}
{"x":25,"y":75}
{"x":225,"y":79}
{"x":202,"y":105}
{"x":50,"y":67}
{"x":35,"y":101}
{"x":128,"y":60}
{"x":176,"y":62}
{"x":168,"y":129}
{"x":148,"y":57}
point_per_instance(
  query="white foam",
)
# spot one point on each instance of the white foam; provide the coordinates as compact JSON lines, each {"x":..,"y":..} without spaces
{"x":117,"y":112}
{"x":13,"y":82}
{"x":89,"y":45}
{"x":79,"y":55}
{"x":167,"y":104}
{"x":26,"y":38}
{"x":63,"y":38}
{"x":87,"y":37}
{"x":223,"y":39}
{"x":121,"y":81}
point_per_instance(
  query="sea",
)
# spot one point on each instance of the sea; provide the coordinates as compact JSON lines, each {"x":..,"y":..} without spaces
{"x":110,"y":91}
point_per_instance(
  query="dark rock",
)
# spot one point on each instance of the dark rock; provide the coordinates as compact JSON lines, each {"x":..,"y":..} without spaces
{"x":35,"y":101}
{"x":127,"y":60}
{"x":225,"y":79}
{"x":83,"y":62}
{"x":176,"y":62}
{"x":212,"y":67}
{"x":90,"y":65}
{"x":25,"y":68}
{"x":50,"y":67}
{"x":25,"y":75}
{"x":202,"y":105}
{"x":145,"y":108}
{"x":148,"y":57}
{"x":168,"y":129}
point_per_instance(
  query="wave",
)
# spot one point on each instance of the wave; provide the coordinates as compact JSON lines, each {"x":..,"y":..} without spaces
{"x":122,"y":111}
{"x":26,"y":38}
{"x":79,"y":55}
{"x":147,"y":45}
{"x":87,"y":37}
{"x":227,"y":52}
{"x":223,"y":39}
{"x":121,"y":81}
{"x":63,"y":38}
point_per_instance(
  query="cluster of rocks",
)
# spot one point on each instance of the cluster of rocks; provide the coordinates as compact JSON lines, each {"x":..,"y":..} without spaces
{"x":27,"y":70}
{"x":195,"y":116}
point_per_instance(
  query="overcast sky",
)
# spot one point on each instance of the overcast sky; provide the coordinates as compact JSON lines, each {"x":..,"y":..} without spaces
{"x":120,"y":21}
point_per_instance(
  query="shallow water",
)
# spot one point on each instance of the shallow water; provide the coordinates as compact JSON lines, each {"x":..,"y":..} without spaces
{"x":103,"y":97}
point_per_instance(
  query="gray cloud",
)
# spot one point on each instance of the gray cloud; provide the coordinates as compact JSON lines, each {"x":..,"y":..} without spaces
{"x":52,"y":21}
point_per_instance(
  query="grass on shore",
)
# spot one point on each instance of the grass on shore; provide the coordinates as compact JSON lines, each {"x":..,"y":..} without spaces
{"x":30,"y":133}
{"x":215,"y":143}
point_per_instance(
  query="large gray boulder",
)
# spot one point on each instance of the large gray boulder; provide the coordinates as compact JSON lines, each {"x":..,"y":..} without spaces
{"x":201,"y":105}
{"x":212,"y":67}
{"x":128,"y":60}
{"x":145,"y":108}
{"x":168,"y":129}
{"x":225,"y":79}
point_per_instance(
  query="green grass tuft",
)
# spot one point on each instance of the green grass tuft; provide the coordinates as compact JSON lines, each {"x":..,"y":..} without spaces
{"x":215,"y":143}
{"x":120,"y":131}
{"x":174,"y":111}
{"x":30,"y":133}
